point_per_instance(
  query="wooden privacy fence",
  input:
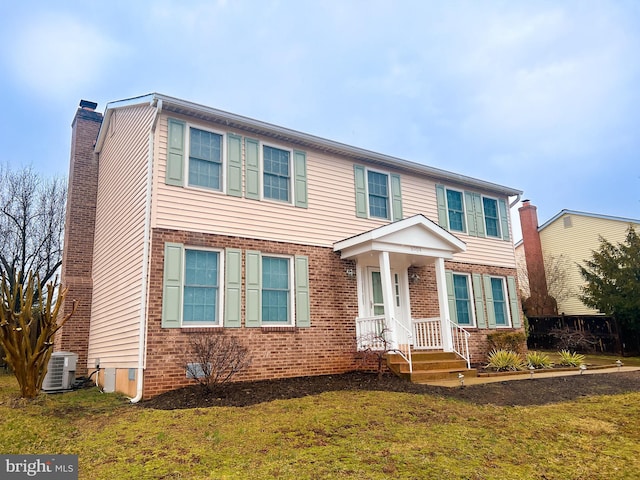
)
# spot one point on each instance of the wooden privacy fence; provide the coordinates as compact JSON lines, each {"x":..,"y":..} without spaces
{"x":576,"y":332}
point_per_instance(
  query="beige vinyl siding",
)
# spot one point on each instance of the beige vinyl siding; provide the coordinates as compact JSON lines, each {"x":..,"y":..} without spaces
{"x":330,"y":216}
{"x":118,"y":250}
{"x":576,"y":243}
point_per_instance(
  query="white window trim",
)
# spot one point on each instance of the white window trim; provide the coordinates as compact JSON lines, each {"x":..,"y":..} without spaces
{"x":221,"y":270}
{"x":464,"y":210}
{"x":389,"y":194}
{"x":187,"y":158}
{"x":507,"y":305}
{"x":292,"y":196}
{"x":472,"y":303}
{"x":292,"y":292}
{"x":484,"y":218}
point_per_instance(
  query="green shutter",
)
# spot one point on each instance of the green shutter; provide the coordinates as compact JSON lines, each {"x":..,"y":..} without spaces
{"x":478,"y":210}
{"x":172,"y":285}
{"x":252,"y":165}
{"x":514,"y":302}
{"x":479,"y":301}
{"x":441,"y":199}
{"x":396,"y":197}
{"x":504,"y":218}
{"x":234,"y":165}
{"x":233,"y":287}
{"x":303,"y":313}
{"x":488,"y":295}
{"x":175,"y":153}
{"x":253,"y":285}
{"x":470,"y":213}
{"x":361,"y":191}
{"x":300,"y":168}
{"x":451,"y":296}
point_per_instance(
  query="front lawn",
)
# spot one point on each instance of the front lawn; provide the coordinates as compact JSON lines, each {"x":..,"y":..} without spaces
{"x":349,"y":434}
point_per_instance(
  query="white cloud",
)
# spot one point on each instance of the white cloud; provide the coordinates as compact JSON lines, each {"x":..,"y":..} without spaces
{"x":54,"y":54}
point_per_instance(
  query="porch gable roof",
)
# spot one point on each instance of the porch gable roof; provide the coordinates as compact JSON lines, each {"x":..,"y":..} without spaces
{"x":415,"y":236}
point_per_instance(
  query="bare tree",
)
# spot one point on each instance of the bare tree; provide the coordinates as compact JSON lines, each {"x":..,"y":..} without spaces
{"x":556,"y":270}
{"x":213,"y":359}
{"x":29,"y":320}
{"x":32,"y":215}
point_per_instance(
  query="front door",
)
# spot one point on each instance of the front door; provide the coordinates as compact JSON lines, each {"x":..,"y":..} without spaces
{"x":375,"y":300}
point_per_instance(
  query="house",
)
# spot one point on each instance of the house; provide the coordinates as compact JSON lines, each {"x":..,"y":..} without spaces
{"x":183,"y":219}
{"x":565,"y":241}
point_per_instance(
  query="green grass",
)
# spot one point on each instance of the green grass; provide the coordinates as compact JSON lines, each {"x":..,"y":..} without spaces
{"x":362,"y":435}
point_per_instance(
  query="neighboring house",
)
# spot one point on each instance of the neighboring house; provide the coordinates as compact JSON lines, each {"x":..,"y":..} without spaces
{"x":185,"y":219}
{"x":571,"y":236}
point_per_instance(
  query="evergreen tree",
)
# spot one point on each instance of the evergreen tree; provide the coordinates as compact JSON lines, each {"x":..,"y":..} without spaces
{"x":612,"y":286}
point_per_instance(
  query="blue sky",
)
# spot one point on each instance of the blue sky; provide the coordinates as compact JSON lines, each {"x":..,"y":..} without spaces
{"x":543,"y":96}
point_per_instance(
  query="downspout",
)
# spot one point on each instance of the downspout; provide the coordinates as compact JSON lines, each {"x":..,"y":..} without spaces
{"x":518,"y":197}
{"x":142,"y":334}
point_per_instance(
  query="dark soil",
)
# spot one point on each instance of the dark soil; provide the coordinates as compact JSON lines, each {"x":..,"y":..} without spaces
{"x":514,"y":392}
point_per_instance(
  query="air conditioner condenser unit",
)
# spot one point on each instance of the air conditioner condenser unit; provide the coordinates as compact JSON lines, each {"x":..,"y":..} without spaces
{"x":61,"y":372}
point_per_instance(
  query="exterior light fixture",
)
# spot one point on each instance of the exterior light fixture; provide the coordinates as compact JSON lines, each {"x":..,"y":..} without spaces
{"x":531,"y":370}
{"x":461,"y":378}
{"x":350,"y":272}
{"x":415,"y":278}
{"x":619,"y":364}
{"x":583,"y":367}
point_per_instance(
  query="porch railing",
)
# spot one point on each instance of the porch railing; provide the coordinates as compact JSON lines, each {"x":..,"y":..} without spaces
{"x":373,"y":334}
{"x":427,"y":335}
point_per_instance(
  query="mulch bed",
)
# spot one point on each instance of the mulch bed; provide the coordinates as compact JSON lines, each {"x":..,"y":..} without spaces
{"x":538,"y":391}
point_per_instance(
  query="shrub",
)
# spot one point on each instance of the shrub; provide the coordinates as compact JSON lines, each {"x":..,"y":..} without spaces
{"x":213,"y":359}
{"x":503,"y":360}
{"x":571,"y":339}
{"x":570,"y":359}
{"x":513,"y":341}
{"x":539,"y":360}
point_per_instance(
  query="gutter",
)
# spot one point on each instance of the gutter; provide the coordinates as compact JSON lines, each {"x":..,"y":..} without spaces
{"x":142,"y":333}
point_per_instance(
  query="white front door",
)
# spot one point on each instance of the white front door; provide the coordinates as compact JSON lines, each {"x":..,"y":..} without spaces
{"x":375,"y":301}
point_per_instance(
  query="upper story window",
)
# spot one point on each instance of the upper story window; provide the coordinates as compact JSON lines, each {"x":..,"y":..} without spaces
{"x":378,"y":188}
{"x":455,"y":210}
{"x":236,"y":165}
{"x":472,"y":213}
{"x":276,"y":173}
{"x":378,"y":194}
{"x":491,"y":217}
{"x":205,"y":159}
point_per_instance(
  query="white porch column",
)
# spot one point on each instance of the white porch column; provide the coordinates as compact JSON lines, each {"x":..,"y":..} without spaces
{"x":387,"y":296}
{"x":443,"y":303}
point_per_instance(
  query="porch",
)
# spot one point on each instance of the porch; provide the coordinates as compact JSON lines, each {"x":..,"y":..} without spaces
{"x":387,"y":295}
{"x":417,"y":354}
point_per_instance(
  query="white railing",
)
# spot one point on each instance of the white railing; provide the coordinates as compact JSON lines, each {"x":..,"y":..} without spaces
{"x":373,"y":334}
{"x":460,"y":338}
{"x":403,"y":341}
{"x":427,"y":334}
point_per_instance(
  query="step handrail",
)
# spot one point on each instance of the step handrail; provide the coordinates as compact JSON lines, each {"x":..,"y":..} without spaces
{"x":406,"y":354}
{"x":460,"y":341}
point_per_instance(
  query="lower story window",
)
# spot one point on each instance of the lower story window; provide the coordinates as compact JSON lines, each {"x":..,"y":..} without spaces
{"x":462,"y":299}
{"x":276,"y":290}
{"x":201,"y":287}
{"x":499,"y":301}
